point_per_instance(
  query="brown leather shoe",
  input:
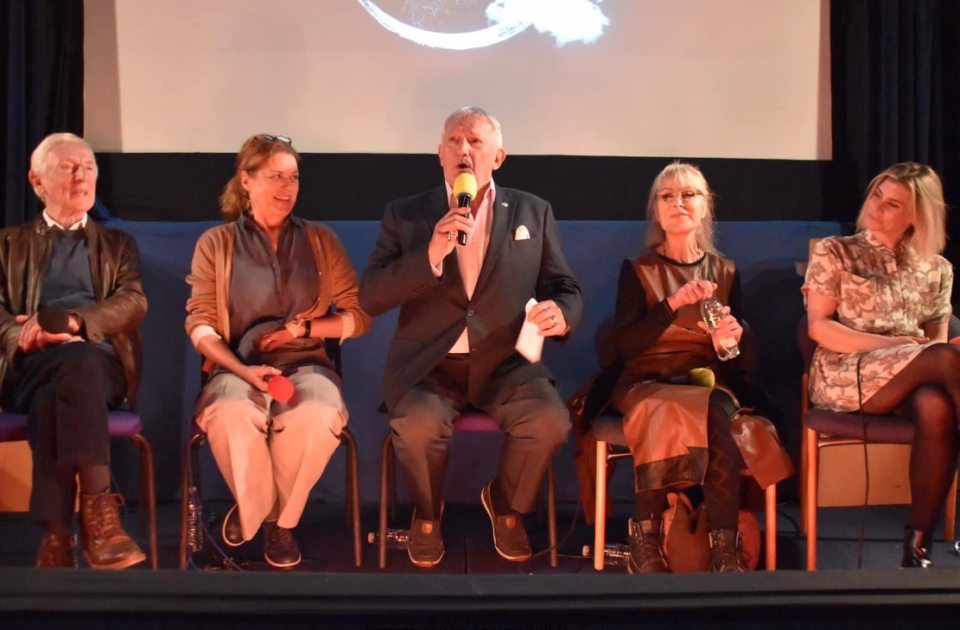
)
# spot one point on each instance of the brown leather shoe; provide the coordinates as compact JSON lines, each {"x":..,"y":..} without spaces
{"x":55,"y":552}
{"x":509,"y":536}
{"x":280,"y":548}
{"x":105,"y":543}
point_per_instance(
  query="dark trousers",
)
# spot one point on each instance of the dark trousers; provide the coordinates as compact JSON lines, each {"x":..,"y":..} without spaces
{"x":534,"y":419}
{"x":66,"y":391}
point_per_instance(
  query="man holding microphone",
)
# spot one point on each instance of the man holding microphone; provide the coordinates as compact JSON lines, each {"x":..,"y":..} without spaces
{"x":462,"y":307}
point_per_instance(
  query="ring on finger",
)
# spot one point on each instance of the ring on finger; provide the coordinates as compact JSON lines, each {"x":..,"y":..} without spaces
{"x":449,"y":236}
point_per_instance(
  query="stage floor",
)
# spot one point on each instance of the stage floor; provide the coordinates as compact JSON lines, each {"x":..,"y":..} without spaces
{"x":474,"y":587}
{"x":326,"y":544}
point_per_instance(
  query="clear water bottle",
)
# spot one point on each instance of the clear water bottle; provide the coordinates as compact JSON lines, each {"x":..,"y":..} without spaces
{"x":711,"y":311}
{"x":194,"y":520}
{"x":614,"y":554}
{"x":396,"y":538}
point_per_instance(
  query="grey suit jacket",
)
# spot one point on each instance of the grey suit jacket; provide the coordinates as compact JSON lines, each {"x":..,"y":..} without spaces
{"x":433,"y":311}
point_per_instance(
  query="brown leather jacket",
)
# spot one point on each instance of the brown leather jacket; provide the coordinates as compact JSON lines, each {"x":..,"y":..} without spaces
{"x":115,"y":270}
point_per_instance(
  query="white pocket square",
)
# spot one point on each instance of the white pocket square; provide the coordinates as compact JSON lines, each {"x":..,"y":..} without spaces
{"x":521,"y":233}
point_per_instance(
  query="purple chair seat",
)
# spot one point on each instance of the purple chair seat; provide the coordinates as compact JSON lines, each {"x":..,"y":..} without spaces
{"x":124,"y":424}
{"x":13,"y":427}
{"x":609,"y":428}
{"x":879,"y":429}
{"x":475,"y":422}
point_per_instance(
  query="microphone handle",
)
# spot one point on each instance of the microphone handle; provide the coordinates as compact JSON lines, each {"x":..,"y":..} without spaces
{"x":463,"y":201}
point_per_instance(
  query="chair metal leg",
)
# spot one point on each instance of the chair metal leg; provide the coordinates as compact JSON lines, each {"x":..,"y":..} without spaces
{"x":770,"y":527}
{"x":147,"y":483}
{"x":189,"y":470}
{"x":386,"y":464}
{"x":810,"y":496}
{"x":801,"y":490}
{"x":600,"y":507}
{"x":353,"y":494}
{"x":552,"y":516}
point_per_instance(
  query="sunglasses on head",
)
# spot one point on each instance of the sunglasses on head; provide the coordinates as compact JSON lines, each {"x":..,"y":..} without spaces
{"x":268,"y":138}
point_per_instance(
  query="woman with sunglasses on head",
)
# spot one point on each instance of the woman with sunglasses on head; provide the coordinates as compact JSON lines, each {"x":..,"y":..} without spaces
{"x":677,"y":425}
{"x":262,"y":289}
{"x":878,"y":306}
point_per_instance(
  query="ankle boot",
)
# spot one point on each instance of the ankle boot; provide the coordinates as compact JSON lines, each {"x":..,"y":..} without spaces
{"x":646,"y":547}
{"x":55,"y":552}
{"x":105,"y":544}
{"x":916,"y":551}
{"x":726,"y":554}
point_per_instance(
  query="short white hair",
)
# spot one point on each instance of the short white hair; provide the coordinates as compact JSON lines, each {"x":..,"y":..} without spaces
{"x":472,"y":111}
{"x":39,"y":156}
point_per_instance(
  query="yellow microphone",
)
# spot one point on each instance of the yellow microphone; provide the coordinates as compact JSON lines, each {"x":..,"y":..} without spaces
{"x":464,"y":189}
{"x":704,"y":377}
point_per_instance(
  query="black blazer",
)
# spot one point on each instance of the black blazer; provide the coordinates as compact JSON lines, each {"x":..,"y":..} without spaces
{"x":433,"y":311}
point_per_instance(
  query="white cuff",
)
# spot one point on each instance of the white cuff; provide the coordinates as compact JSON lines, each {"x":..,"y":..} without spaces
{"x":349,"y":324}
{"x":202,"y":331}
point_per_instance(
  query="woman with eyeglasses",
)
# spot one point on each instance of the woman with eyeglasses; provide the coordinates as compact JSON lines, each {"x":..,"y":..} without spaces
{"x":677,"y":424}
{"x":263,"y":288}
{"x":878,"y":306}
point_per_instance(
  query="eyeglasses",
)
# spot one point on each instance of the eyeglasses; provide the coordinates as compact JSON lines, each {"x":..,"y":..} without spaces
{"x":670,"y":197}
{"x":265,"y":137}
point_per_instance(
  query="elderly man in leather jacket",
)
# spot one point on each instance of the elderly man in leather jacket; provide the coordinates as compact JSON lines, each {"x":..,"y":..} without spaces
{"x":70,"y":307}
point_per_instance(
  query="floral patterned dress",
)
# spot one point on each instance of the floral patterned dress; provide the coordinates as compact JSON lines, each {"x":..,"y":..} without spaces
{"x":878,"y":290}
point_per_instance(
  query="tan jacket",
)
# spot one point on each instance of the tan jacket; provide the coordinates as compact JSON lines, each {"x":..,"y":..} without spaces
{"x":209,"y":280}
{"x":115,"y":271}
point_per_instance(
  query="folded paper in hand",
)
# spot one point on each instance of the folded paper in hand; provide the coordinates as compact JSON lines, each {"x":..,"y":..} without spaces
{"x":529,"y":341}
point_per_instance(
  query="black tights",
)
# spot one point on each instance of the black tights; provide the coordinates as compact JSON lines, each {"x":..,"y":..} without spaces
{"x":927,"y":391}
{"x":721,"y":484}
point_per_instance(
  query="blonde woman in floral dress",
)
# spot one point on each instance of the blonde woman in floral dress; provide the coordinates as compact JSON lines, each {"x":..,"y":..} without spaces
{"x":878,"y":305}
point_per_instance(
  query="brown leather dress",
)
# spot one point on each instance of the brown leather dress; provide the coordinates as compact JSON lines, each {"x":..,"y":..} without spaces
{"x":665,"y":422}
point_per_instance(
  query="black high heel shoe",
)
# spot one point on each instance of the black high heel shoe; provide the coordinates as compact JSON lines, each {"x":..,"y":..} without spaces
{"x":915,"y":549}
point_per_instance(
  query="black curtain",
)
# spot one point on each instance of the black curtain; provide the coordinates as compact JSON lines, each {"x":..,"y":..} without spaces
{"x":43,"y":59}
{"x":896,"y":94}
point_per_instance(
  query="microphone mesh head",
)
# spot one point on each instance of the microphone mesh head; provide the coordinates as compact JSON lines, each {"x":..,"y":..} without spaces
{"x":465,"y":184}
{"x":54,"y":319}
{"x":280,"y":388}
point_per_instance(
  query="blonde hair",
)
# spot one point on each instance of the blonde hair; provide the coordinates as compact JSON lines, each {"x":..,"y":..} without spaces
{"x":928,"y":234}
{"x":256,"y":150}
{"x":686,"y":175}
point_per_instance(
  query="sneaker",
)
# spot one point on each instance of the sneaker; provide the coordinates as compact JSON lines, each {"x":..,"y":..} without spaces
{"x":231,"y":532}
{"x":509,"y":536}
{"x":425,"y":545}
{"x":279,"y":547}
{"x":646,"y":547}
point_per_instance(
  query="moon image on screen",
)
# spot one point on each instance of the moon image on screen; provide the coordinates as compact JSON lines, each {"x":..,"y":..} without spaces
{"x":567,"y":21}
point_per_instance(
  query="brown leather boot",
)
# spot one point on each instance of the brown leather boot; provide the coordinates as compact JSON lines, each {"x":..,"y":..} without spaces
{"x":726,"y":552}
{"x":55,"y":552}
{"x":105,"y":544}
{"x":646,"y":547}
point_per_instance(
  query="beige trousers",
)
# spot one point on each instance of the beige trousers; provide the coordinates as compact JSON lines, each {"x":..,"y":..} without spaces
{"x":270,"y":453}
